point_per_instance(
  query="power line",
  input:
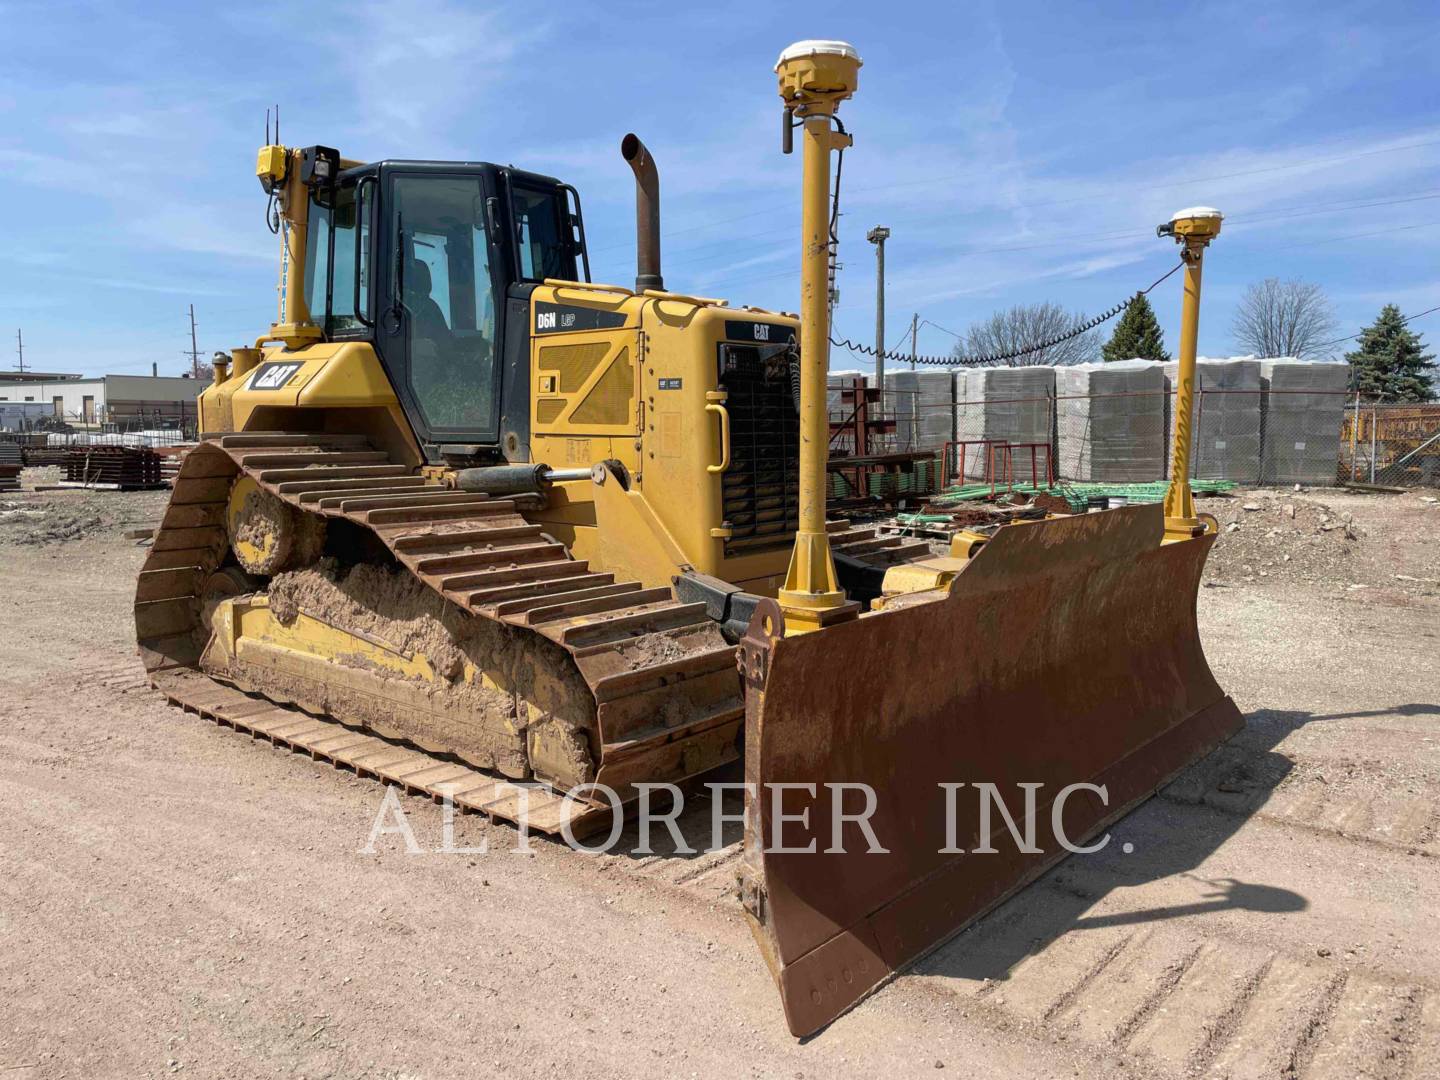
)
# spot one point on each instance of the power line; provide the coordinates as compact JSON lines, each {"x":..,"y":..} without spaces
{"x":1352,"y":337}
{"x":1195,"y":180}
{"x":20,"y":348}
{"x":1033,"y":347}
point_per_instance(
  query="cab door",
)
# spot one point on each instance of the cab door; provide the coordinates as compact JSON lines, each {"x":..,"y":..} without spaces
{"x":440,"y":330}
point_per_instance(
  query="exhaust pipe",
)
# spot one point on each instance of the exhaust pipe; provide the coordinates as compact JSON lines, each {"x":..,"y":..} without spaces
{"x":647,"y":213}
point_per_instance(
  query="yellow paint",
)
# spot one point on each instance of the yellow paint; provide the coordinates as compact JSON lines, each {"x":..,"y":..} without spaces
{"x":966,"y":542}
{"x":668,"y":441}
{"x":813,"y":84}
{"x":249,"y":553}
{"x":310,"y":637}
{"x":1194,"y":233}
{"x":595,"y":395}
{"x":920,"y":577}
{"x":333,"y":376}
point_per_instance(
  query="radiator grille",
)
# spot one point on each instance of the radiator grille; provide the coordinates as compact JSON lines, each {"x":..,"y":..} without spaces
{"x":761,"y":487}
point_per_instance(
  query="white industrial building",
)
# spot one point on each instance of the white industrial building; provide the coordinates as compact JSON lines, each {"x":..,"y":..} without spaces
{"x":126,"y":400}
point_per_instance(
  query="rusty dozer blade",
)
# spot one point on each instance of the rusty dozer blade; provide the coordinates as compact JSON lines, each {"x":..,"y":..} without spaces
{"x":1066,"y":652}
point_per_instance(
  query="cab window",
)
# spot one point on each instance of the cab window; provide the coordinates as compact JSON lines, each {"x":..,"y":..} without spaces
{"x":330,"y":285}
{"x":541,"y":250}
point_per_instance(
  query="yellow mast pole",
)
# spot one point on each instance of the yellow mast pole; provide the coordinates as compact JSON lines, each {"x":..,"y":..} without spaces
{"x":1193,"y":229}
{"x":278,"y":168}
{"x":815,"y":76}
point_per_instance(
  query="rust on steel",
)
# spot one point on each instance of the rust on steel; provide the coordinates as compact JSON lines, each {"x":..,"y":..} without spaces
{"x":1066,"y":652}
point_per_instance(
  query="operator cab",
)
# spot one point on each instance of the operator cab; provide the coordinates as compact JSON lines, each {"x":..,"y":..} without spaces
{"x":420,"y":258}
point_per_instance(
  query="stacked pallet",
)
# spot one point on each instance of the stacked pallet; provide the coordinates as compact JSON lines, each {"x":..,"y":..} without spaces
{"x":1006,"y":405}
{"x":171,"y":458}
{"x":1301,"y":414}
{"x":1111,"y":421}
{"x":125,"y":468}
{"x":924,"y":407}
{"x":40,"y":456}
{"x":1225,"y":418}
{"x":11,"y":462}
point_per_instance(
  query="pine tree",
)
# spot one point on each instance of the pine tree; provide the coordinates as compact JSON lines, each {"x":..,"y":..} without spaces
{"x":1391,"y":363}
{"x":1136,"y":334}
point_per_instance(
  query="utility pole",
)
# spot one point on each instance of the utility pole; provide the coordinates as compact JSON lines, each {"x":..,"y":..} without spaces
{"x":194,"y":350}
{"x":915,"y":408}
{"x":20,"y":347}
{"x":878,"y":236}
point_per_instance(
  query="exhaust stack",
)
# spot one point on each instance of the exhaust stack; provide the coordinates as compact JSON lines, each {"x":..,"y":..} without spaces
{"x":647,"y":213}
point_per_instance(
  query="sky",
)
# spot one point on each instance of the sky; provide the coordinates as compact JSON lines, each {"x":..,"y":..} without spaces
{"x":1019,"y":152}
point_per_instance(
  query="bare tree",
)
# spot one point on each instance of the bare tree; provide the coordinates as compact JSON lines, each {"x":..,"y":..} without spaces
{"x":1022,"y":330}
{"x":1283,"y":318}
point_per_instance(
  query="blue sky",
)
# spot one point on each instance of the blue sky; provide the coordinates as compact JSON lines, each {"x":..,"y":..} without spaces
{"x":1019,"y":151}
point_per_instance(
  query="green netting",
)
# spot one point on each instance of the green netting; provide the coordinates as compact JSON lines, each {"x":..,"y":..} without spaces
{"x":1081,"y":495}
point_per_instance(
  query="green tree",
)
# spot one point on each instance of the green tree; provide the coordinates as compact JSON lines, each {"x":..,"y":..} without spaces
{"x":1391,"y":361}
{"x":1136,"y":334}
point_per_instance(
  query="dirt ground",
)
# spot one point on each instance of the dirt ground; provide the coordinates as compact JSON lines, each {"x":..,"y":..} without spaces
{"x":175,"y":899}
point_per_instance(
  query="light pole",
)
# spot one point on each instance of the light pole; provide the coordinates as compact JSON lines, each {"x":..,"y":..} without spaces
{"x":878,"y":236}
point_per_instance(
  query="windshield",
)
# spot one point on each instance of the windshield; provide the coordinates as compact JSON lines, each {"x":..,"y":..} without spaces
{"x":330,"y":284}
{"x":448,"y":297}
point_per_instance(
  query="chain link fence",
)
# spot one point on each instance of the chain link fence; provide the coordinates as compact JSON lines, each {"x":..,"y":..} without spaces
{"x":1391,"y":444}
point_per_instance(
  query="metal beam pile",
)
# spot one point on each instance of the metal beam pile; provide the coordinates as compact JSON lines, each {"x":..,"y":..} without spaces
{"x":11,"y":462}
{"x":122,"y":468}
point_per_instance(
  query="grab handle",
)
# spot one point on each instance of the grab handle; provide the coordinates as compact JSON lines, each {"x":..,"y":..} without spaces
{"x":715,"y":402}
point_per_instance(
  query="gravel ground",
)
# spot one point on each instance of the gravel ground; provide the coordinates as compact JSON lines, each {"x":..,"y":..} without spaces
{"x":175,"y":899}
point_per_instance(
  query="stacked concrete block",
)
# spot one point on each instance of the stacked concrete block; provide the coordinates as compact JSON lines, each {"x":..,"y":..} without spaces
{"x":835,"y":381}
{"x":1302,"y":411}
{"x":1225,"y":419}
{"x":923,"y":403}
{"x":1111,"y":421}
{"x":1005,"y":404}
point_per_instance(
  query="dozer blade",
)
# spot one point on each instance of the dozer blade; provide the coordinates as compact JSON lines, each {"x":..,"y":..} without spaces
{"x":1066,"y":652}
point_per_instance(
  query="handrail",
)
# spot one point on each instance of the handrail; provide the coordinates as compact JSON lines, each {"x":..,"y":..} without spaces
{"x":715,"y":402}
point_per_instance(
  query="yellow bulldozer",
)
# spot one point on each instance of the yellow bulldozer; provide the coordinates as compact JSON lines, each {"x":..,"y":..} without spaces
{"x":469,"y":523}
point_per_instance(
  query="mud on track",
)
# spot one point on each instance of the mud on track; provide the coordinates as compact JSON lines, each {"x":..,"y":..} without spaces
{"x":177,"y":899}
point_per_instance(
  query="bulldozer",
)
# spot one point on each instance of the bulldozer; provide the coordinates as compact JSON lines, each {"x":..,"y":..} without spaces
{"x":467,"y":522}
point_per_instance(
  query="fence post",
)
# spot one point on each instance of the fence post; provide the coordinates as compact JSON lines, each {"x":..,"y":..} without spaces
{"x":1374,"y":416}
{"x":1355,"y":439}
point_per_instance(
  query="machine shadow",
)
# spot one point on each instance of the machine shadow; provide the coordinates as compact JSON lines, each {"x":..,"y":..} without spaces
{"x":1170,"y":835}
